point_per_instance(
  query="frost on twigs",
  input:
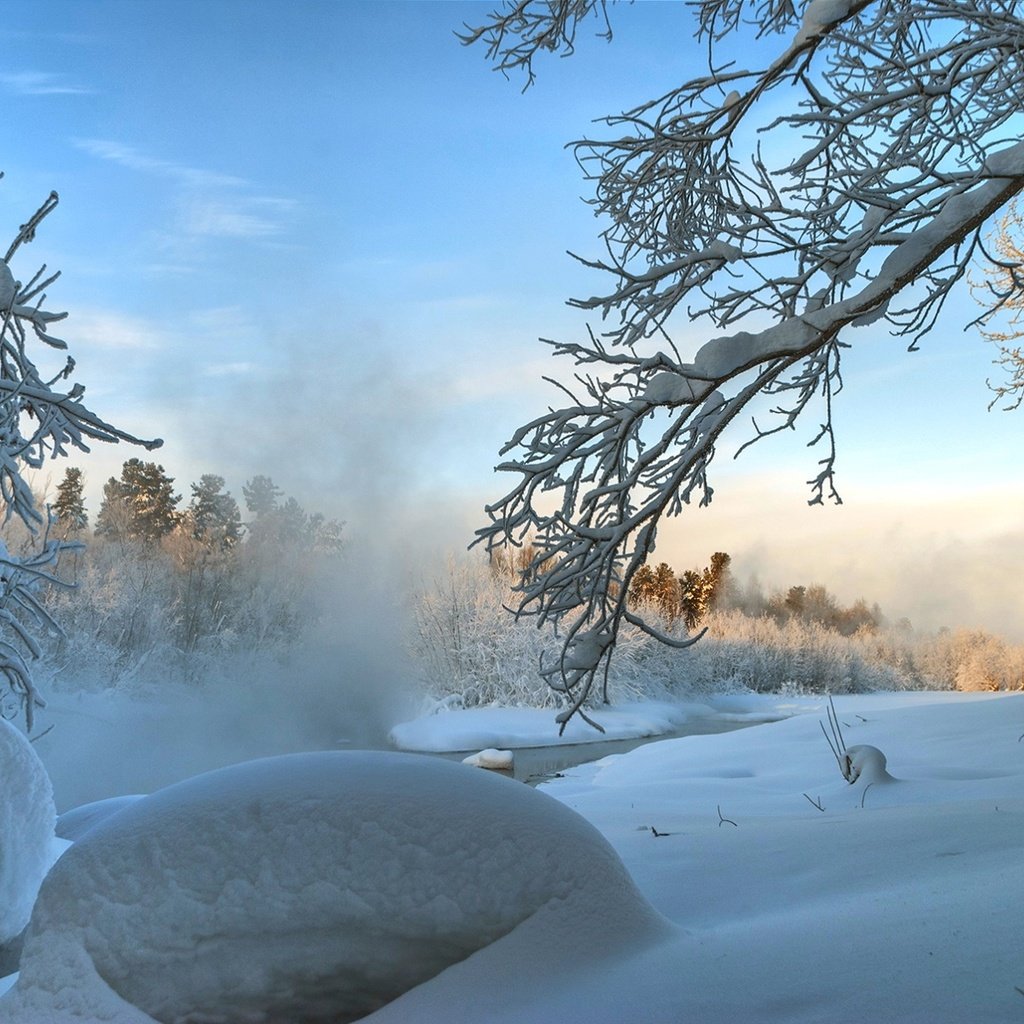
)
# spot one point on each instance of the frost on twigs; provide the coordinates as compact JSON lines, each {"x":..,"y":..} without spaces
{"x":41,"y":417}
{"x":883,"y":140}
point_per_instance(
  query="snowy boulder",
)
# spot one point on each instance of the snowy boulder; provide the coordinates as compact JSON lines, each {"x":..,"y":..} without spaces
{"x":311,"y":887}
{"x":27,"y":817}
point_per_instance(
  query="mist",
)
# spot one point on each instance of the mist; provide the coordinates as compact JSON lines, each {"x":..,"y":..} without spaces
{"x":938,"y":560}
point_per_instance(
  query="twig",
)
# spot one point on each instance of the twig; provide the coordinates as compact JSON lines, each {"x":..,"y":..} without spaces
{"x":657,"y":834}
{"x":33,"y":739}
{"x":865,"y":793}
{"x":836,"y":742}
{"x":722,"y":820}
{"x":815,"y":803}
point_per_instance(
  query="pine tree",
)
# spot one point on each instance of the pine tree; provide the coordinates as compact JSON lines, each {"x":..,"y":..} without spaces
{"x":214,"y":513}
{"x":718,"y":580}
{"x":692,"y":597}
{"x":139,"y":506}
{"x":112,"y":521}
{"x":666,"y":591}
{"x":69,"y":508}
{"x":261,"y":494}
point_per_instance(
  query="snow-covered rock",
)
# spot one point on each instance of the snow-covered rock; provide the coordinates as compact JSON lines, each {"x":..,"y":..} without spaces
{"x":313,"y":887}
{"x":27,"y":817}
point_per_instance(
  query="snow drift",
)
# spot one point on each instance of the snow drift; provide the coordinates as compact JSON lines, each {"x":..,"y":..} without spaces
{"x":313,"y":887}
{"x":27,"y":817}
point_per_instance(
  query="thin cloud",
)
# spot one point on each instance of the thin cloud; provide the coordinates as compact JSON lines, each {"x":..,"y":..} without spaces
{"x":212,"y":204}
{"x":230,"y":370}
{"x":237,"y":217}
{"x":106,"y":329}
{"x":135,"y":160}
{"x":41,"y":83}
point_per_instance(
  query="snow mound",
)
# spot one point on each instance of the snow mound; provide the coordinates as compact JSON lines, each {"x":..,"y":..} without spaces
{"x":27,"y":817}
{"x":310,"y":887}
{"x":73,"y":824}
{"x":495,"y":760}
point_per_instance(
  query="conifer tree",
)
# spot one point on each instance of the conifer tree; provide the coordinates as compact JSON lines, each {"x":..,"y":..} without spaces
{"x":140,"y":505}
{"x":261,"y":494}
{"x":69,"y":507}
{"x":214,"y":512}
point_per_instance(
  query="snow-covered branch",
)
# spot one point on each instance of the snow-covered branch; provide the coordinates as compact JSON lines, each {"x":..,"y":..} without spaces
{"x":861,"y":202}
{"x":36,"y":423}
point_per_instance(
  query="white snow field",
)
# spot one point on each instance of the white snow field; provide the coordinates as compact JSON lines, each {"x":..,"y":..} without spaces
{"x":310,"y":888}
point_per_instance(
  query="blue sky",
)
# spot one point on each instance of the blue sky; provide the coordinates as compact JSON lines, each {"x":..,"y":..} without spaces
{"x":319,"y":240}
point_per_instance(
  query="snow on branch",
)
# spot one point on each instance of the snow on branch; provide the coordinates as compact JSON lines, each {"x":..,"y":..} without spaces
{"x":38,"y":421}
{"x":841,"y":180}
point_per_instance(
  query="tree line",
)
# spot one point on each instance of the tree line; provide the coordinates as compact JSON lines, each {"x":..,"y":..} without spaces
{"x":690,"y":596}
{"x":470,"y":652}
{"x":171,"y":590}
{"x":141,"y":506}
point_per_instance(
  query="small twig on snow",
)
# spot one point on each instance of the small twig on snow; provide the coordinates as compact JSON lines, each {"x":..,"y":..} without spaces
{"x":815,"y":803}
{"x":722,"y":820}
{"x":32,"y":739}
{"x":865,"y":793}
{"x":657,"y":834}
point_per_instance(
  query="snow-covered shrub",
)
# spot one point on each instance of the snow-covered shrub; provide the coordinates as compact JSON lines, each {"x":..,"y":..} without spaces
{"x":316,"y":888}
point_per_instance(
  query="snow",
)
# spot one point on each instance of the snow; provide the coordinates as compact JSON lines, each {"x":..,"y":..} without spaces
{"x":73,"y":824}
{"x":896,"y":903}
{"x":495,"y":760}
{"x":782,"y":893}
{"x":478,"y":728}
{"x":27,"y":815}
{"x":311,"y":887}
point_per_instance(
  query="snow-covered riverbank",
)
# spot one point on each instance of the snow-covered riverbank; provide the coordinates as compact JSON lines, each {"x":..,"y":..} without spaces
{"x":785,"y":894}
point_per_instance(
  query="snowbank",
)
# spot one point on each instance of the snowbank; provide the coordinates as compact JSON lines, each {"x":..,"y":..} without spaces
{"x":27,"y":817}
{"x":314,"y":887}
{"x":478,"y":728}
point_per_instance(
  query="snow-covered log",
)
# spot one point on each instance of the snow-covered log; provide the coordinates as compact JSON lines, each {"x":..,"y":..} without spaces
{"x":886,"y":136}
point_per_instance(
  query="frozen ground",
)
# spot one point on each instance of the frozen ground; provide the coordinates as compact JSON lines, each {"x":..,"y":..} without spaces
{"x":896,"y":898}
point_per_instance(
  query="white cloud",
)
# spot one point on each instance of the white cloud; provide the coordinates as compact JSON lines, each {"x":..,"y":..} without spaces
{"x":41,"y":83}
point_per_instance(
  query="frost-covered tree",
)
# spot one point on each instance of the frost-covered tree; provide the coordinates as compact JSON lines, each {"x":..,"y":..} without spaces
{"x":1003,"y":296}
{"x":69,"y":506}
{"x":41,"y":417}
{"x":832,"y":169}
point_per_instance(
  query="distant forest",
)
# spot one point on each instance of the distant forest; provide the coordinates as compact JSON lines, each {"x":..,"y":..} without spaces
{"x":162,"y":589}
